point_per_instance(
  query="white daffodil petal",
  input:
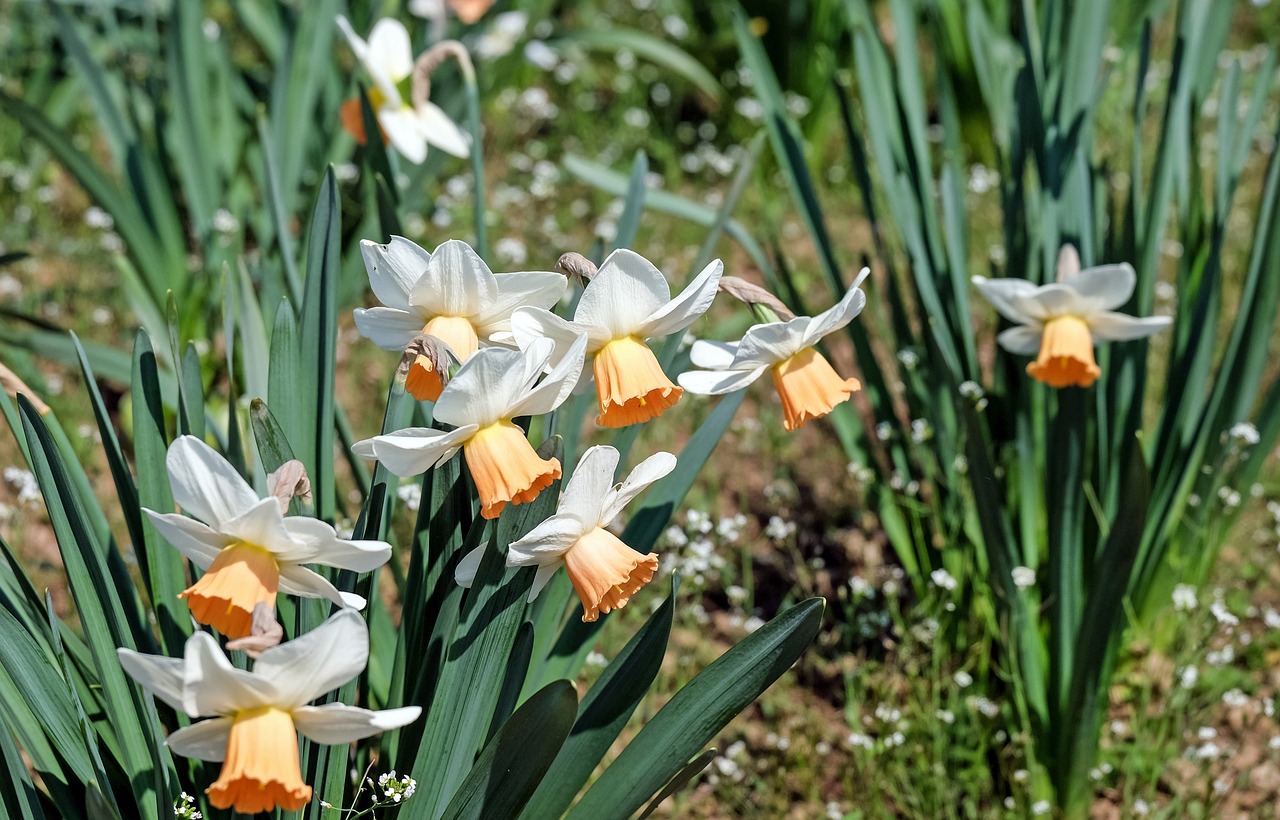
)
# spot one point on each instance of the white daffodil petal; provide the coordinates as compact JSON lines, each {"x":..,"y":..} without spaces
{"x":300,"y":581}
{"x":318,"y":661}
{"x":339,"y":723}
{"x":652,"y":469}
{"x":625,"y":292}
{"x":837,"y":316}
{"x":456,"y":283}
{"x":1119,"y":327}
{"x":592,"y":479}
{"x":393,"y":269}
{"x":557,"y":385}
{"x":1001,"y":293}
{"x":541,"y":578}
{"x":718,"y":382}
{"x":685,"y":309}
{"x":413,"y":450}
{"x":1047,"y":302}
{"x":529,"y":289}
{"x":713,"y":355}
{"x":1021,"y":340}
{"x":189,"y":537}
{"x":441,"y":131}
{"x":1106,"y":287}
{"x":159,"y":675}
{"x":548,"y":541}
{"x":263,"y":526}
{"x":205,"y":484}
{"x":483,"y":389}
{"x":318,"y":543}
{"x":212,"y":686}
{"x":390,"y":50}
{"x":388,"y":328}
{"x":530,"y":324}
{"x":771,"y":343}
{"x":206,"y":740}
{"x":404,"y":131}
{"x":465,"y":573}
{"x":360,"y":48}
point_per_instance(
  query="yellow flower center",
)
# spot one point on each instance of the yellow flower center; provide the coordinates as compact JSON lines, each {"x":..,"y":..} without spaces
{"x":505,"y":467}
{"x":1066,"y":354}
{"x":809,"y":388}
{"x":606,"y":572}
{"x":423,"y":382}
{"x":240,"y":577}
{"x":630,"y":384}
{"x":261,"y":771}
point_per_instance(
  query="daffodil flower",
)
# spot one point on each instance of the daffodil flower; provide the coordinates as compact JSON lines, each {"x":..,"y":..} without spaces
{"x":450,"y":294}
{"x":604,"y":571}
{"x":388,"y":58}
{"x":806,"y":382}
{"x":626,"y":302}
{"x":257,"y":716}
{"x":1059,"y":323}
{"x":249,"y":550}
{"x":495,"y":386}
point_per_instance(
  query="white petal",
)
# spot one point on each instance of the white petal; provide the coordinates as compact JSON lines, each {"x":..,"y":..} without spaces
{"x":545,"y":543}
{"x":441,"y":131}
{"x":713,"y":355}
{"x":838,"y":315}
{"x":465,"y":573}
{"x":1106,"y":287}
{"x":558,"y":384}
{"x":1021,"y":340}
{"x":653,"y":468}
{"x":389,"y":49}
{"x":1047,"y":302}
{"x":404,"y":131}
{"x":318,"y":543}
{"x":339,"y":723}
{"x":388,"y":328}
{"x":540,"y":579}
{"x":533,"y":289}
{"x":157,"y":674}
{"x":262,"y":525}
{"x":623,"y":294}
{"x":317,"y":662}
{"x":771,"y":343}
{"x":1120,"y":327}
{"x":484,"y":388}
{"x":189,"y":537}
{"x":530,"y":324}
{"x":212,"y":686}
{"x":591,"y":481}
{"x":457,"y":282}
{"x":1002,"y":292}
{"x":683,"y":310}
{"x":205,"y":484}
{"x":386,"y":84}
{"x":393,"y":269}
{"x":718,"y":382}
{"x":206,"y":740}
{"x":298,"y":580}
{"x":413,"y":450}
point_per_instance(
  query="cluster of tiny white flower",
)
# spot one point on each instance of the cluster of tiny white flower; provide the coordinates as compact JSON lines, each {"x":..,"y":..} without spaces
{"x":396,"y":789}
{"x":184,"y":808}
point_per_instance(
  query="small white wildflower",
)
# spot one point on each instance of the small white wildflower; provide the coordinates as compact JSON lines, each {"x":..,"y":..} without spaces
{"x":511,"y":251}
{"x":676,"y":537}
{"x":779,"y":529}
{"x":1024,"y":577}
{"x":943,"y":579}
{"x":225,"y":222}
{"x":23,"y":483}
{"x":884,"y":431}
{"x":1244,"y":434}
{"x":1184,"y":598}
{"x":1040,"y":807}
{"x":597,"y":659}
{"x":860,"y":741}
{"x":1207,"y":752}
{"x":946,"y":716}
{"x":1141,"y":808}
{"x":1274,"y":743}
{"x":95,"y":217}
{"x":921,"y":431}
{"x":963,"y":679}
{"x":1223,"y":615}
{"x":1235,"y":698}
{"x":1206,"y":733}
{"x":834,"y":811}
{"x":861,"y":588}
{"x":909,"y":358}
{"x":411,"y":496}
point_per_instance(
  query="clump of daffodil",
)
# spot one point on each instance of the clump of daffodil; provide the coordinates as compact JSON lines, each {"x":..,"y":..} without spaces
{"x":256,"y":716}
{"x":626,"y":302}
{"x":604,"y":571}
{"x":388,"y":58}
{"x":247,"y":547}
{"x":807,"y":384}
{"x":450,"y":294}
{"x":495,"y":386}
{"x":1060,"y":323}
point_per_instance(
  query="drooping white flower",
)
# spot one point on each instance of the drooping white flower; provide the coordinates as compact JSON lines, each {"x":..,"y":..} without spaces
{"x":257,"y":715}
{"x":388,"y":58}
{"x":806,"y":382}
{"x":246,"y":546}
{"x":495,"y":386}
{"x":625,"y":303}
{"x":1059,"y":323}
{"x":604,"y":570}
{"x":450,"y":294}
